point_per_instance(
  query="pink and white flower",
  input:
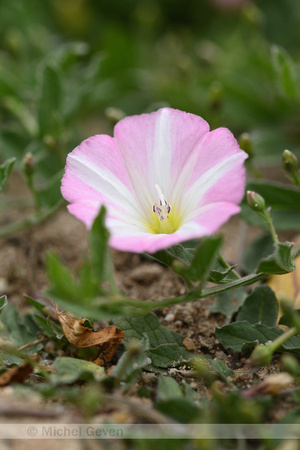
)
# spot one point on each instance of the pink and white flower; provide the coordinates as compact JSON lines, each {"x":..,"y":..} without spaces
{"x":164,"y":178}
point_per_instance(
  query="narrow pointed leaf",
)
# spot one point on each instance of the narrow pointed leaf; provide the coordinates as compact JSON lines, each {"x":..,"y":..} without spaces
{"x":5,"y":171}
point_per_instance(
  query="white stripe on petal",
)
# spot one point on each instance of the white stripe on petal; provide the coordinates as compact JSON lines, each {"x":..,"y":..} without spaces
{"x":194,"y":195}
{"x":161,"y":154}
{"x":104,"y":181}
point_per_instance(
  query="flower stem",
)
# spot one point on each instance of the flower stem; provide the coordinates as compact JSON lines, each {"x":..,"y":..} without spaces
{"x":258,"y":204}
{"x":282,"y":339}
{"x":296,"y":180}
{"x":267,"y":217}
{"x":263,"y":353}
{"x":194,"y":294}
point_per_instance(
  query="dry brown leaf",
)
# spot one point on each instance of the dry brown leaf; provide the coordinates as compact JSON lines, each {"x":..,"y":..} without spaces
{"x":17,"y":374}
{"x":107,"y":339}
{"x":106,"y":354}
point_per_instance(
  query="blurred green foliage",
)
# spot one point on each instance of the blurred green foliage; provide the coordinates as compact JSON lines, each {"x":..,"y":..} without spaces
{"x":62,"y":64}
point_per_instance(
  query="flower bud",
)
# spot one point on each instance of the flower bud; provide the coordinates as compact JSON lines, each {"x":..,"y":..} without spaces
{"x":256,"y":201}
{"x":134,"y":348}
{"x":245,"y":143}
{"x":203,"y":370}
{"x":261,"y":355}
{"x":290,"y":364}
{"x":271,"y":385}
{"x":289,"y":161}
{"x":114,"y":114}
{"x":216,"y":93}
{"x":28,"y":164}
{"x":50,"y":141}
{"x":178,"y":267}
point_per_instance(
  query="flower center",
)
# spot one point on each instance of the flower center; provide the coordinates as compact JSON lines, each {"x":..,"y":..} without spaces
{"x":163,"y":222}
{"x":164,"y":208}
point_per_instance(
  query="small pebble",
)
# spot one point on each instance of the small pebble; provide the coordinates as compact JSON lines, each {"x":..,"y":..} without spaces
{"x":189,"y":344}
{"x":169,"y":317}
{"x":189,"y":320}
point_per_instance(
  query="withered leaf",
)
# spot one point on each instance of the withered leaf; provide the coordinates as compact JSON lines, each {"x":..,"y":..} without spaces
{"x":106,"y":354}
{"x":17,"y":374}
{"x":84,"y":337}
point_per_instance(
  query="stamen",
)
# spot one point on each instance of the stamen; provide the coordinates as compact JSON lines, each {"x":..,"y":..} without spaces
{"x":165,"y":208}
{"x":162,"y":200}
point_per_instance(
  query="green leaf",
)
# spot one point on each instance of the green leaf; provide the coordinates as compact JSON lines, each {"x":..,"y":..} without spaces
{"x":71,"y":369}
{"x":21,"y":330}
{"x":135,"y":364}
{"x":62,"y":280}
{"x":37,"y":305}
{"x":183,"y":410}
{"x":280,"y":262}
{"x":168,"y":388}
{"x":174,"y":253}
{"x":260,"y":307}
{"x":3,"y":302}
{"x":196,"y":262}
{"x":49,"y":193}
{"x":11,"y":360}
{"x":229,"y":302}
{"x":165,"y":345}
{"x":241,"y":335}
{"x":182,"y":253}
{"x":259,"y":249}
{"x":99,"y":236}
{"x":203,"y":259}
{"x":5,"y":171}
{"x":288,"y":319}
{"x":285,"y":71}
{"x":221,"y":369}
{"x":284,"y":201}
{"x":50,"y":102}
{"x":219,"y":272}
{"x":48,"y":327}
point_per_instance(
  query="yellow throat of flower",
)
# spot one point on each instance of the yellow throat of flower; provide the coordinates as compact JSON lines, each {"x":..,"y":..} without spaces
{"x":165,"y":219}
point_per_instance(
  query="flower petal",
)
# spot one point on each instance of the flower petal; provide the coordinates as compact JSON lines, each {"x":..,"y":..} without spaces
{"x":199,"y":172}
{"x":95,"y":175}
{"x":209,"y":219}
{"x":87,"y":214}
{"x":214,"y":172}
{"x":155,"y":148}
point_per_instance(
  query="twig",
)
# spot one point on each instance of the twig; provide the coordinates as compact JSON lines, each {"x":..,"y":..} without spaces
{"x":31,"y":344}
{"x":13,"y":411}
